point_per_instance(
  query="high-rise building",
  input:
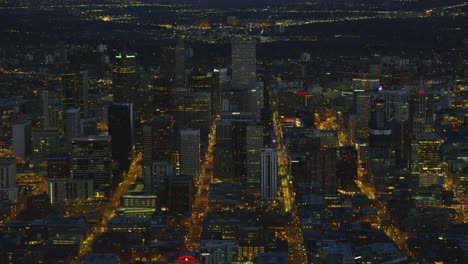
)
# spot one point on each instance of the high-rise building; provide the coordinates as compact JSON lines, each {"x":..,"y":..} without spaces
{"x":180,"y":190}
{"x":321,"y":167}
{"x":223,"y":168}
{"x":8,"y":189}
{"x":269,"y":179}
{"x":362,"y":108}
{"x":91,"y":158}
{"x":254,"y":144}
{"x":156,"y":178}
{"x":426,"y":159}
{"x":246,"y":93}
{"x":44,"y":142}
{"x":125,"y":78}
{"x":62,"y":190}
{"x":21,"y":131}
{"x":158,"y":140}
{"x":421,"y":112}
{"x":218,"y":251}
{"x":194,"y":112}
{"x":237,"y":150}
{"x":120,"y":125}
{"x":396,"y":105}
{"x":365,"y":84}
{"x":159,"y":145}
{"x":327,"y":138}
{"x":253,"y":100}
{"x":88,"y":126}
{"x":162,"y":96}
{"x":190,"y":152}
{"x":180,"y":74}
{"x":50,"y":108}
{"x":72,"y":125}
{"x":289,"y":103}
{"x":167,"y":61}
{"x":267,"y":117}
{"x":232,"y":100}
{"x":381,"y":160}
{"x":244,"y":64}
{"x":346,"y":168}
{"x":58,"y":166}
{"x":137,"y":205}
{"x":247,"y":142}
{"x":75,"y":91}
{"x":218,"y":86}
{"x":200,"y":82}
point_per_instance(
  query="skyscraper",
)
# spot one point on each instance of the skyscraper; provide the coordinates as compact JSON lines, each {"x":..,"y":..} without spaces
{"x":61,"y":190}
{"x":120,"y":125}
{"x":75,"y":91}
{"x":180,"y":75}
{"x":88,"y":126}
{"x":162,"y":96}
{"x":194,"y":112}
{"x":158,"y":140}
{"x":156,"y":179}
{"x":222,"y":152}
{"x":222,"y":162}
{"x":232,"y":100}
{"x":269,"y":180}
{"x":427,"y":160}
{"x":254,"y":100}
{"x":91,"y":158}
{"x":219,"y":84}
{"x":254,"y":144}
{"x":22,"y":138}
{"x":158,"y":144}
{"x":180,"y":190}
{"x":58,"y":166}
{"x":346,"y":167}
{"x":237,"y":150}
{"x":396,"y":105}
{"x":8,"y":189}
{"x":321,"y":167}
{"x":421,"y":112}
{"x":362,"y":108}
{"x":200,"y":81}
{"x":244,"y":64}
{"x":125,"y":79}
{"x":50,"y":109}
{"x":44,"y":142}
{"x":245,"y":92}
{"x":190,"y":152}
{"x":72,"y":125}
{"x":219,"y":251}
{"x":381,"y":160}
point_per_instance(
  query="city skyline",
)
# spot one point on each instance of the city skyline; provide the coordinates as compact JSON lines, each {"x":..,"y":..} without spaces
{"x":237,"y":132}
